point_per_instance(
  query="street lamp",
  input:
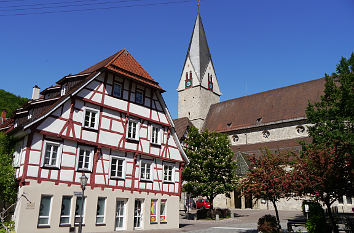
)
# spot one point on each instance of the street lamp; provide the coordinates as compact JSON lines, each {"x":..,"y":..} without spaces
{"x":83,"y":182}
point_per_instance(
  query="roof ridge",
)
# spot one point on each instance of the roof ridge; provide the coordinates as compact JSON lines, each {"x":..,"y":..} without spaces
{"x":268,"y":91}
{"x":115,"y":57}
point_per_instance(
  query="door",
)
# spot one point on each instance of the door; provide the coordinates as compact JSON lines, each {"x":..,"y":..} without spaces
{"x":120,"y":212}
{"x":237,"y":198}
{"x":248,"y":202}
{"x":138,"y":213}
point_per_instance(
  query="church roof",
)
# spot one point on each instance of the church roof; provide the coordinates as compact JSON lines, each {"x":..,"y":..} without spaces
{"x":276,"y":105}
{"x":198,"y":50}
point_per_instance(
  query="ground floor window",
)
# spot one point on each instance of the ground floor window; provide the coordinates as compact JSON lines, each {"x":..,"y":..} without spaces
{"x":138,"y":213}
{"x":120,"y":212}
{"x":101,"y":203}
{"x":65,"y":210}
{"x":79,"y":209}
{"x":44,"y":211}
{"x":153,"y":212}
{"x":163,"y":218}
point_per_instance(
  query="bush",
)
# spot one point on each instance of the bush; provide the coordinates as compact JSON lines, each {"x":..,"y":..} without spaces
{"x":211,"y":214}
{"x":268,"y":224}
{"x":316,"y":222}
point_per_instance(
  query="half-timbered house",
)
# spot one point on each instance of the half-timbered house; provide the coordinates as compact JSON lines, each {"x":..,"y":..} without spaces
{"x":110,"y":123}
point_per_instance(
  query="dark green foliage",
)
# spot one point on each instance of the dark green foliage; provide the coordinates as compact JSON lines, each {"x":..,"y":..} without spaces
{"x":211,"y":170}
{"x":333,"y":116}
{"x":211,"y":214}
{"x":268,"y":224}
{"x":8,"y":186}
{"x":10,"y":102}
{"x":316,"y":222}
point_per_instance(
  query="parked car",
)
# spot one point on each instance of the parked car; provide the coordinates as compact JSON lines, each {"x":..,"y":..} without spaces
{"x":203,"y":203}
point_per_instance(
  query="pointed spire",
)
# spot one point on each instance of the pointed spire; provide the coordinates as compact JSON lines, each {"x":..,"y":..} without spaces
{"x":198,"y":50}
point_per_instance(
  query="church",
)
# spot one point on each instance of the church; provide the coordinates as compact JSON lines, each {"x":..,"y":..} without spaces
{"x":273,"y":119}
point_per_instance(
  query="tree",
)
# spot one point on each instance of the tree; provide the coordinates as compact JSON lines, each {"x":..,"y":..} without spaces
{"x":333,"y":118}
{"x":332,"y":127}
{"x":211,"y":170}
{"x":8,"y":186}
{"x":319,"y":173}
{"x":10,"y":102}
{"x":269,"y":178}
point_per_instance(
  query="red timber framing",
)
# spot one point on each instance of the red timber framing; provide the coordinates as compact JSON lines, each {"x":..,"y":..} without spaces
{"x":72,"y":130}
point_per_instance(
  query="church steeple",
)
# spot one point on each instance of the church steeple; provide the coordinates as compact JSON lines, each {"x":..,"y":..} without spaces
{"x":198,"y":87}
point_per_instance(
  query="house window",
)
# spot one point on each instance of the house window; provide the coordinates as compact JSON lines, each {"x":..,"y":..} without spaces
{"x":132,"y":132}
{"x":163,"y":218}
{"x":349,"y":199}
{"x":91,"y":118}
{"x":85,"y":159}
{"x":80,"y":209}
{"x":117,"y":167}
{"x":63,"y":90}
{"x":17,"y":154}
{"x":138,"y":213}
{"x":44,"y":211}
{"x":155,"y":135}
{"x":340,"y":200}
{"x":52,"y":154}
{"x":65,"y":210}
{"x":117,"y":90}
{"x":101,"y":203}
{"x":168,"y":172}
{"x":139,"y":97}
{"x":146,"y":170}
{"x":153,"y":212}
{"x":120,"y":213}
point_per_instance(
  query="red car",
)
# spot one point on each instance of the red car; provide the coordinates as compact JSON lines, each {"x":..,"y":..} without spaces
{"x":203,"y":203}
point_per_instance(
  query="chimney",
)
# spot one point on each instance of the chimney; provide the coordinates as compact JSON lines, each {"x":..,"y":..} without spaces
{"x":3,"y":116}
{"x":35,"y":92}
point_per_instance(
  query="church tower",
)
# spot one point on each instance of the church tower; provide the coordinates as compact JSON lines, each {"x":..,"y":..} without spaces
{"x":198,"y":86}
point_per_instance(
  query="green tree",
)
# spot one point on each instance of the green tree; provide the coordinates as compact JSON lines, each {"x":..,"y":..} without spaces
{"x":332,"y":120}
{"x":10,"y":102}
{"x":211,"y":170}
{"x":8,"y":186}
{"x":269,"y":178}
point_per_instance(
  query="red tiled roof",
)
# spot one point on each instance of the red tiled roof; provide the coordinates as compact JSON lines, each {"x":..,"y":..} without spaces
{"x":271,"y":106}
{"x":124,"y":63}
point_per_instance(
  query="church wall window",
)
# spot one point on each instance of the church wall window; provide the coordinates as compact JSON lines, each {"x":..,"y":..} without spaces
{"x":210,"y":82}
{"x":300,"y":129}
{"x":266,"y":133}
{"x":188,"y":81}
{"x":235,"y":138}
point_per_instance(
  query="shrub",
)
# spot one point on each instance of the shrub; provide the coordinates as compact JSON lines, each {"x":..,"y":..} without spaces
{"x":316,"y":222}
{"x":268,"y":224}
{"x":211,"y":214}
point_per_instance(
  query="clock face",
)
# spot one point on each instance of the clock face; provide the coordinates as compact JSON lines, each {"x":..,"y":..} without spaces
{"x":210,"y":85}
{"x":188,"y":83}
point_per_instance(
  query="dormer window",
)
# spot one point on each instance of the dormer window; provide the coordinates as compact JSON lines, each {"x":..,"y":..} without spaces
{"x":210,"y":82}
{"x":63,"y":89}
{"x":188,"y":81}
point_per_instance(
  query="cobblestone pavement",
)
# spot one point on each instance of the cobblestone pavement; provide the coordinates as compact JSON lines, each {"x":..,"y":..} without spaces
{"x":244,"y":222}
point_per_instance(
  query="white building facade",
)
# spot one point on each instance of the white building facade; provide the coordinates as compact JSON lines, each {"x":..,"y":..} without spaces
{"x":111,"y":124}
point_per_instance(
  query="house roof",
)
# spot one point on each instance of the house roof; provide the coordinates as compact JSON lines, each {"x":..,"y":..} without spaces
{"x":181,"y":125}
{"x":276,"y":105}
{"x":124,"y":63}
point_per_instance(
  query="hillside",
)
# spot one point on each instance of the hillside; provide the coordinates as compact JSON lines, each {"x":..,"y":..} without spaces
{"x":10,"y":102}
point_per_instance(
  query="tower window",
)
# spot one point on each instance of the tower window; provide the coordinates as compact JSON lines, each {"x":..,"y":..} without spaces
{"x":210,"y":82}
{"x":188,"y":82}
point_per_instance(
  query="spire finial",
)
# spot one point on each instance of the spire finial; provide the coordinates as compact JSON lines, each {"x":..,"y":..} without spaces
{"x":198,"y":1}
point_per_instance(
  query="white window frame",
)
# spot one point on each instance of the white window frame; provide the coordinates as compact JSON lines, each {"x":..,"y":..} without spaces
{"x":159,"y":134}
{"x":151,"y":164}
{"x":121,"y":90}
{"x":123,"y":169}
{"x":142,"y":96}
{"x":50,"y":211}
{"x":66,"y":216}
{"x":59,"y":153}
{"x":173,"y":172}
{"x":87,"y":109}
{"x":121,"y":216}
{"x":136,"y":138}
{"x":92,"y":153}
{"x":141,"y":216}
{"x":104,"y":211}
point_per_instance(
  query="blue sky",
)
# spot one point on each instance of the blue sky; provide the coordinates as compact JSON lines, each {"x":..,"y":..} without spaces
{"x":256,"y":45}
